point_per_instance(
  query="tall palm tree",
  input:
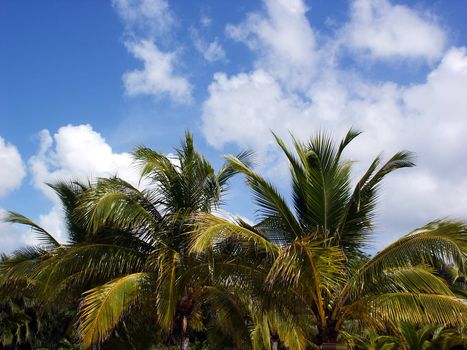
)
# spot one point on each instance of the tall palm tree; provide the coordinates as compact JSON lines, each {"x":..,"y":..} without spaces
{"x":317,"y":246}
{"x":157,"y":273}
{"x":128,"y":249}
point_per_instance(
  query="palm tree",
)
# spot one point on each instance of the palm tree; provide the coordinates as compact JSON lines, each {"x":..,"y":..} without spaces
{"x":22,"y":283}
{"x":128,"y":250}
{"x":317,"y":246}
{"x":157,"y":272}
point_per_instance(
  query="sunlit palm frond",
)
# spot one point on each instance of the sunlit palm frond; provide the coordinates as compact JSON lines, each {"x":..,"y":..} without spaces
{"x":310,"y":268}
{"x":169,"y":291}
{"x":420,"y":308}
{"x":413,"y":279}
{"x":211,"y":230}
{"x":103,"y":307}
{"x":116,"y":202}
{"x":86,"y":264}
{"x":438,"y":243}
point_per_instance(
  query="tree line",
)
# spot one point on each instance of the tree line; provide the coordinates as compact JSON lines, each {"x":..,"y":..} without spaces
{"x":156,"y":267}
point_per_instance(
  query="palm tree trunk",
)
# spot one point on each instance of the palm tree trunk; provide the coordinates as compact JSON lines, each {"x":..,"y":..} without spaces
{"x":185,"y":344}
{"x":275,"y":345}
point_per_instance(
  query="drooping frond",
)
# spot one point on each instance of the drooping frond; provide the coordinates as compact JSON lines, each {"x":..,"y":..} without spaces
{"x":117,"y":203}
{"x":168,"y":289}
{"x":230,"y":313}
{"x":42,"y":235}
{"x":211,"y":230}
{"x":311,"y":269}
{"x":438,"y":243}
{"x":21,"y":267}
{"x":68,"y":193}
{"x":85,"y":264}
{"x":103,"y":307}
{"x":416,"y":279}
{"x":420,"y":308}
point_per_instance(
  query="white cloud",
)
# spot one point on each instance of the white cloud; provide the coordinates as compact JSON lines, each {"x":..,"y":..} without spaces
{"x":212,"y":51}
{"x":152,"y":17}
{"x":385,"y":30}
{"x":157,"y":77}
{"x":78,"y":152}
{"x":244,"y":108}
{"x":429,"y":118}
{"x":148,"y":23}
{"x":12,"y":169}
{"x":75,"y":153}
{"x":283,"y":39}
{"x":205,"y":21}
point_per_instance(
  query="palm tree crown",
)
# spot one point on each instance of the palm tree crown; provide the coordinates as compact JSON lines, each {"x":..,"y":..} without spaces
{"x":315,"y":250}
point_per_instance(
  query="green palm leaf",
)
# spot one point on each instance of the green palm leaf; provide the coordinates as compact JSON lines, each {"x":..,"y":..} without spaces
{"x":103,"y":307}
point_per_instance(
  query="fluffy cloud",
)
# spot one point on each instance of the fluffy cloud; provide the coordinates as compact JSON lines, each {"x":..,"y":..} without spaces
{"x":212,"y":51}
{"x":12,"y":172}
{"x":157,"y":77}
{"x":385,"y":30}
{"x":75,"y":153}
{"x":80,"y":153}
{"x":151,"y":17}
{"x":146,"y":22}
{"x":12,"y":169}
{"x":283,"y":39}
{"x":429,"y":118}
{"x":243,"y":108}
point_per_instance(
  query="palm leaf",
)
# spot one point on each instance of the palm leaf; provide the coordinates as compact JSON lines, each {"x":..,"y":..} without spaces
{"x":102,"y":308}
{"x":268,"y":198}
{"x":42,"y":235}
{"x":420,"y":308}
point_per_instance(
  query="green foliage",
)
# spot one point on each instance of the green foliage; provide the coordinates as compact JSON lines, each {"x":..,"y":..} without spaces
{"x":148,"y":267}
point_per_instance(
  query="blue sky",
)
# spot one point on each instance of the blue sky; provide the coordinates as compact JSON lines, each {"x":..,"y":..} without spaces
{"x":83,"y":82}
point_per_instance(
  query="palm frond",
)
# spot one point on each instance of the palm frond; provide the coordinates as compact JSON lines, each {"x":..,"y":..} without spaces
{"x":115,"y":202}
{"x":103,"y":307}
{"x":438,"y":243}
{"x":211,"y":230}
{"x":420,"y":308}
{"x":42,"y":235}
{"x":267,"y":197}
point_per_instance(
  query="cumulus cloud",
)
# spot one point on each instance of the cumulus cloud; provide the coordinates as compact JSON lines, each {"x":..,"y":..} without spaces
{"x":243,"y":108}
{"x":211,"y":51}
{"x":384,"y":30}
{"x":80,"y":153}
{"x":151,"y":17}
{"x":283,"y":39}
{"x":75,"y":153}
{"x":12,"y":170}
{"x":146,"y":23}
{"x":429,"y":118}
{"x":157,"y":77}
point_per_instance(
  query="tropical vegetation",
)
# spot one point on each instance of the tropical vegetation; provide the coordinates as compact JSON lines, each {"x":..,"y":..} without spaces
{"x":158,"y":266}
